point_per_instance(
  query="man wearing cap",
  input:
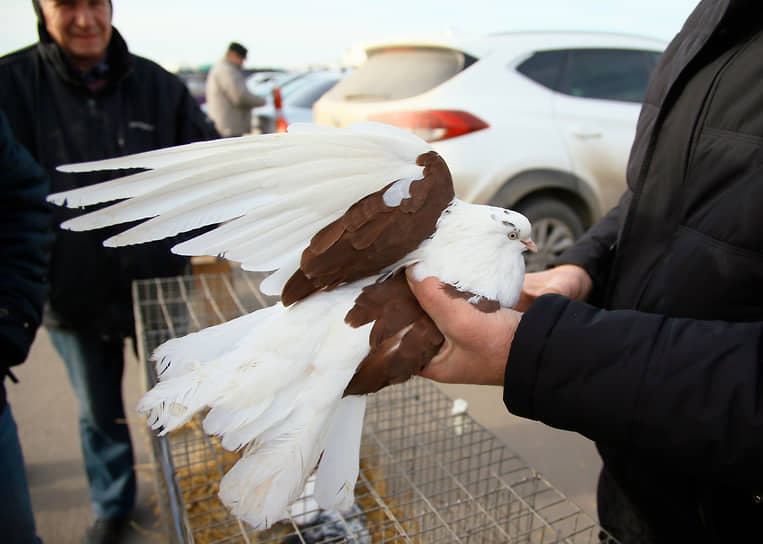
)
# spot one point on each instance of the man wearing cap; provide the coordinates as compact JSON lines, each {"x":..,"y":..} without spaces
{"x":229,"y":101}
{"x":78,"y":95}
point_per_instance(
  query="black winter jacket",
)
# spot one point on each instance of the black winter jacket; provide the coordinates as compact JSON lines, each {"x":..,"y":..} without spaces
{"x":60,"y":120}
{"x":25,"y":240}
{"x":668,"y":377}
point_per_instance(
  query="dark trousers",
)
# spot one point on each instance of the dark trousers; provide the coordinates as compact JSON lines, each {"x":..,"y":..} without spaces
{"x":16,"y":517}
{"x":95,"y":368}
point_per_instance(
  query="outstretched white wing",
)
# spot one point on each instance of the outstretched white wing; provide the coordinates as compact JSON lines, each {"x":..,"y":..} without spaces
{"x":269,"y":193}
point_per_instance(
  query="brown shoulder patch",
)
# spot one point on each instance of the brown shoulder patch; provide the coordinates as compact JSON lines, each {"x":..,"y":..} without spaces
{"x":403,"y":339}
{"x":483,"y":305}
{"x":371,"y":235}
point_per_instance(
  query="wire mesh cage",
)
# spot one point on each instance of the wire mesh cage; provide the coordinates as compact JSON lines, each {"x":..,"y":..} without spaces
{"x":427,"y":473}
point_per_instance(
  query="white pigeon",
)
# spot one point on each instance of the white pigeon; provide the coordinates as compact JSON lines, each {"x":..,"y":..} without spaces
{"x":337,"y":214}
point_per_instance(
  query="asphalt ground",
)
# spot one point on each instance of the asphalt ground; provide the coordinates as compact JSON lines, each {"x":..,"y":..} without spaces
{"x":46,"y":413}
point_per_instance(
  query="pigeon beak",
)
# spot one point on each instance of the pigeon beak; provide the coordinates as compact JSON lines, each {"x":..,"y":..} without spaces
{"x":531,"y":246}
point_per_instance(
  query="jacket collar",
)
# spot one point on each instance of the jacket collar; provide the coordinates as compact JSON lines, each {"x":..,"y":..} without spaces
{"x":114,"y":67}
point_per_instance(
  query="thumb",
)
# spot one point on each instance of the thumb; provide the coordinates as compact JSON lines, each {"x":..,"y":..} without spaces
{"x":447,"y":312}
{"x":426,"y":291}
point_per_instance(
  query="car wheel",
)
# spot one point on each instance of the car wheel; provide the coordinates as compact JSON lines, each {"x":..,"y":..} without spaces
{"x":555,"y":227}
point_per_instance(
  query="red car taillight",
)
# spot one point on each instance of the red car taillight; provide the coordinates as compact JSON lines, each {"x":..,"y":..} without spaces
{"x":433,"y":125}
{"x":281,"y":124}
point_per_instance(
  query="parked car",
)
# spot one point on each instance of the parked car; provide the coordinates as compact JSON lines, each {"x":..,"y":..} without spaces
{"x":541,"y":122}
{"x":196,"y":81}
{"x":263,"y":83}
{"x":297,"y":97}
{"x":259,"y":82}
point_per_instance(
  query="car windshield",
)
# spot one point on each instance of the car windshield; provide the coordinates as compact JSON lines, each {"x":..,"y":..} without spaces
{"x":400,"y":72}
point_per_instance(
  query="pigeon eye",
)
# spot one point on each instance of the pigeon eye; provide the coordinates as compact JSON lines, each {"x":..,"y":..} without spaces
{"x":513,"y":235}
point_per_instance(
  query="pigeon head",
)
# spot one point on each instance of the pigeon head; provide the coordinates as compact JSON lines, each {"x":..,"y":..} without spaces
{"x":518,"y":228}
{"x":478,"y":250}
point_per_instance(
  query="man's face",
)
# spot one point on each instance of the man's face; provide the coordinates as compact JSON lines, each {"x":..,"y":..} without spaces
{"x":82,"y":28}
{"x":236,"y":58}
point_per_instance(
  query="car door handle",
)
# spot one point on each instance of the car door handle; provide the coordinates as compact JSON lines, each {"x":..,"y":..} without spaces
{"x":586,"y":133}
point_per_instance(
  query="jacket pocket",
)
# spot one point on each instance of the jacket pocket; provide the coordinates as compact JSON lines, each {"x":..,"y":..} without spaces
{"x":702,"y":277}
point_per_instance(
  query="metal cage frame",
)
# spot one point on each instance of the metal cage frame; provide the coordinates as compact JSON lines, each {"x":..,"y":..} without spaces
{"x":427,"y":474}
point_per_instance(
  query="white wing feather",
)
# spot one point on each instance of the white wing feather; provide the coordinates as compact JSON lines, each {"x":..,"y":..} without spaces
{"x":338,"y":470}
{"x":278,"y":400}
{"x":257,"y":188}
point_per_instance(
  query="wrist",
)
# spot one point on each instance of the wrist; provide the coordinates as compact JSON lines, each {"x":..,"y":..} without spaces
{"x":579,"y":282}
{"x":504,"y":336}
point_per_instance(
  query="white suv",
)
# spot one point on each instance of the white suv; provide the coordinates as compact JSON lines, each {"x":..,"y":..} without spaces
{"x":541,"y":122}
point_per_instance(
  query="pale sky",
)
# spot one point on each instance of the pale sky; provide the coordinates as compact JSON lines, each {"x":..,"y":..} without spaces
{"x":299,"y":33}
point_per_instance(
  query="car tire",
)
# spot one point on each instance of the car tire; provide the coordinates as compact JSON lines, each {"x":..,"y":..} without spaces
{"x":555,"y":227}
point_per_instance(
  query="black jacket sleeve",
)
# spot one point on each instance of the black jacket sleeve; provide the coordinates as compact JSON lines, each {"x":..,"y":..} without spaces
{"x":25,"y":239}
{"x":687,"y":389}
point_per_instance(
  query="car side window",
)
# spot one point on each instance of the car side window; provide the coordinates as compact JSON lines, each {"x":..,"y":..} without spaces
{"x":544,"y":67}
{"x":609,"y":74}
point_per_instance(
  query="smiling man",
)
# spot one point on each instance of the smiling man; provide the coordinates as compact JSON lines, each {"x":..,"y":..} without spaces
{"x":83,"y":33}
{"x":79,"y":94}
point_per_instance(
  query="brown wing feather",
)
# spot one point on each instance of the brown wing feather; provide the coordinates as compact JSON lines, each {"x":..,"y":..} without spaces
{"x":403,"y":339}
{"x":484,"y":305}
{"x":372,"y":235}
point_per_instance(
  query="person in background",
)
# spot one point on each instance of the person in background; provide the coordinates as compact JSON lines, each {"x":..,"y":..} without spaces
{"x":229,"y":102}
{"x":78,"y":94}
{"x":647,"y":336}
{"x":24,"y":253}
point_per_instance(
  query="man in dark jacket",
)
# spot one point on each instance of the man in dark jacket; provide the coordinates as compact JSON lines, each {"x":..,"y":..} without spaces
{"x":663,"y":368}
{"x":24,"y":252}
{"x":78,"y":95}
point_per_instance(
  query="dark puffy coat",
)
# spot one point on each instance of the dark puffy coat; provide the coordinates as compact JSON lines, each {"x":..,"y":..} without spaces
{"x":668,"y":380}
{"x":60,"y":120}
{"x":25,"y":240}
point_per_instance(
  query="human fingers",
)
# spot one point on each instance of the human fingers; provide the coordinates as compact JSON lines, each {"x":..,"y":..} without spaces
{"x":569,"y":280}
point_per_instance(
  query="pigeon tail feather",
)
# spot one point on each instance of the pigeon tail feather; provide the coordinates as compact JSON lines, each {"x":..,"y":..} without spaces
{"x":338,"y":470}
{"x":272,"y":398}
